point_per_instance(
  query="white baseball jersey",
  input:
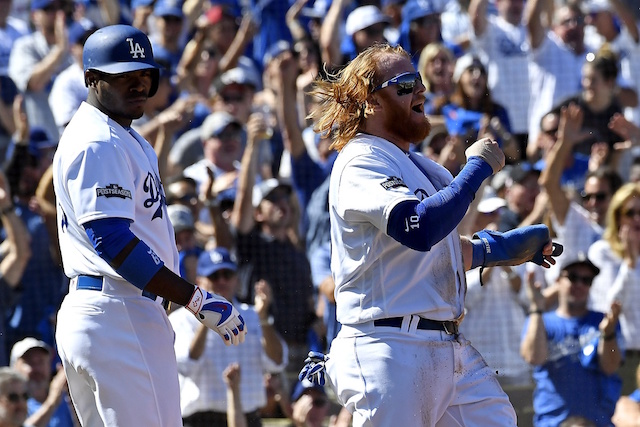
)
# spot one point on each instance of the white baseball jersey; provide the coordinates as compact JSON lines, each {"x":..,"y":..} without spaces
{"x":375,"y":275}
{"x":507,"y":49}
{"x":555,"y":73}
{"x":101,"y":170}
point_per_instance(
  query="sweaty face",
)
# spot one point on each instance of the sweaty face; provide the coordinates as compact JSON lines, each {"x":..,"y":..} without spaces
{"x":402,"y":114}
{"x":123,"y":96}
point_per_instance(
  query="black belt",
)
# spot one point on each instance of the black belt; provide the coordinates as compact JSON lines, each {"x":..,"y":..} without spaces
{"x":94,"y":283}
{"x":447,"y":326}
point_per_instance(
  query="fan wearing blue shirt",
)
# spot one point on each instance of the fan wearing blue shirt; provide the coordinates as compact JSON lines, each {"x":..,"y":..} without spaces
{"x":575,"y":351}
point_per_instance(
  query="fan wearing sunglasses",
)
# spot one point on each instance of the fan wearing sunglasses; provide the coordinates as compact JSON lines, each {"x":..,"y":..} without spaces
{"x":13,"y":398}
{"x":398,"y":260}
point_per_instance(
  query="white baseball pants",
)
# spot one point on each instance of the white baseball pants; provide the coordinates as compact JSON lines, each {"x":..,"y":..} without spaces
{"x":389,"y":376}
{"x":117,"y":351}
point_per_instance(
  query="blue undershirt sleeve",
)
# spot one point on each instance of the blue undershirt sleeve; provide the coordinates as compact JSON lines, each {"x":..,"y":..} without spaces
{"x":420,"y":225}
{"x":109,"y":236}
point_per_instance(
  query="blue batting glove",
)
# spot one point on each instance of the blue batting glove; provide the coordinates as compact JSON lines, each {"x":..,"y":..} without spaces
{"x":218,"y":314}
{"x":492,"y":248}
{"x":314,"y":368}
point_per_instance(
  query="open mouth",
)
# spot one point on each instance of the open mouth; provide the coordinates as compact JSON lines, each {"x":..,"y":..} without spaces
{"x":418,"y":108}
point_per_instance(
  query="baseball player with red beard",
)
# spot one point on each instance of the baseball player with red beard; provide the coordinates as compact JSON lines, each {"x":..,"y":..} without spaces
{"x":118,"y":248}
{"x":397,"y":259}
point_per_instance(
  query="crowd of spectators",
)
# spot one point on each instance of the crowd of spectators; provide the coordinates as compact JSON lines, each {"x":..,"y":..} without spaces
{"x":245,"y":176}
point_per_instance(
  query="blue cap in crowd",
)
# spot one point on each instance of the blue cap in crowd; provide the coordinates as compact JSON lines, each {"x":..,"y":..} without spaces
{"x":140,"y":3}
{"x":80,"y":30}
{"x":214,"y":260}
{"x":39,"y":139}
{"x":41,"y":4}
{"x":416,"y":9}
{"x":168,"y":8}
{"x":274,"y":50}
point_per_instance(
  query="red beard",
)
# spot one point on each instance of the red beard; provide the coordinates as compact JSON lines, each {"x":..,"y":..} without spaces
{"x":405,"y":128}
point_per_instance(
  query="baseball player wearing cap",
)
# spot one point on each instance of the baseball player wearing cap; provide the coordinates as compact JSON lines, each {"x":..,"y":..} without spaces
{"x":118,"y":248}
{"x":397,"y":259}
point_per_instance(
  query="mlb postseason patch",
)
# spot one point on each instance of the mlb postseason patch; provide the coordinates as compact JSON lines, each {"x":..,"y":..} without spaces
{"x":393,"y":182}
{"x":113,"y":190}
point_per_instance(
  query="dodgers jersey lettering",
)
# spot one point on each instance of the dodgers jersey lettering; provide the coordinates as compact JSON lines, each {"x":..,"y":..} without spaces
{"x":375,"y":275}
{"x":104,"y":171}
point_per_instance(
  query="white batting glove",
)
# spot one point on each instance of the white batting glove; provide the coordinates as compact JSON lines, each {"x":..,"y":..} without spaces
{"x":314,"y":368}
{"x":218,"y":314}
{"x":487,"y":150}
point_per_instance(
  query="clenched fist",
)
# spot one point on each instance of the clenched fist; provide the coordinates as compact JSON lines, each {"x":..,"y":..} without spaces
{"x":487,"y":150}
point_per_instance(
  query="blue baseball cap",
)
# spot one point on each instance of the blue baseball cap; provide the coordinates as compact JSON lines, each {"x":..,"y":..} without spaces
{"x":140,"y":3}
{"x":39,"y":139}
{"x":214,"y":260}
{"x":416,"y":9}
{"x":274,"y":51}
{"x":80,"y":30}
{"x":168,"y":8}
{"x":41,"y":4}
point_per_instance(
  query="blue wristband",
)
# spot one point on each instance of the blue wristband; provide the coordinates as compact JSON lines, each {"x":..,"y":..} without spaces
{"x":140,"y":265}
{"x":478,"y":257}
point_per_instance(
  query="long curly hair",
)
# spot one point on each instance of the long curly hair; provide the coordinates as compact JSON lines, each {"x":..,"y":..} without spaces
{"x":614,"y":213}
{"x":342,"y":97}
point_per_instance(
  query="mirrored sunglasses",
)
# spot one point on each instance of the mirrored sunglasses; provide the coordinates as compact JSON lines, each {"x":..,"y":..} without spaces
{"x":406,"y":82}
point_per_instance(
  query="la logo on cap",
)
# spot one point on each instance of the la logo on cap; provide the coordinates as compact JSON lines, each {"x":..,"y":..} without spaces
{"x":135,"y":49}
{"x":216,"y":257}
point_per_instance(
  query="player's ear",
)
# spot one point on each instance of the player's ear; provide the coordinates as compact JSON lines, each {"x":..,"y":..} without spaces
{"x":89,"y":79}
{"x":370,"y":106}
